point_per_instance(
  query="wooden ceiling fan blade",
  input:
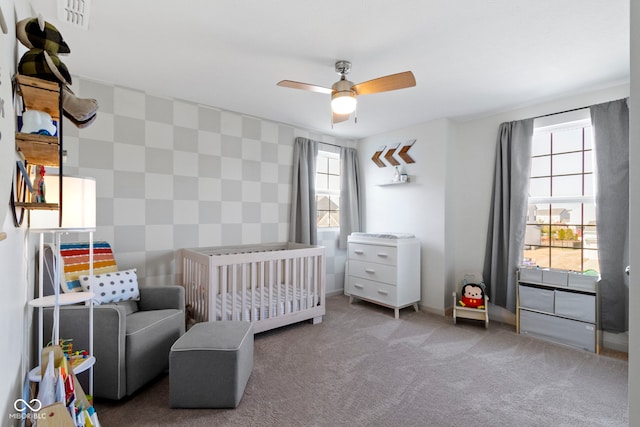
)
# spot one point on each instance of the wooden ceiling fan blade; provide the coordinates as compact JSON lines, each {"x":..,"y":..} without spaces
{"x":386,"y":83}
{"x":337,"y":118}
{"x":304,"y":86}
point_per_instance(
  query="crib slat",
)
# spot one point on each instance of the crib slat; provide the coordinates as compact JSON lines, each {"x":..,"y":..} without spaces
{"x":307,"y":284}
{"x":270,"y":305}
{"x":243,"y":298}
{"x":254,"y":285}
{"x":234,"y":291}
{"x":294,"y":278}
{"x":223,"y":292}
{"x":287,"y":280}
{"x":315,"y":281}
{"x":279,"y":284}
{"x":298,"y":296}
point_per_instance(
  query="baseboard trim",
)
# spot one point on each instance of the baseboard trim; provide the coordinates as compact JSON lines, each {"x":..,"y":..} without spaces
{"x":432,"y":310}
{"x":617,"y":342}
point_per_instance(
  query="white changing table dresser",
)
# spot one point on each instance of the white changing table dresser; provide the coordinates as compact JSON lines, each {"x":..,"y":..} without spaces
{"x":384,"y":268}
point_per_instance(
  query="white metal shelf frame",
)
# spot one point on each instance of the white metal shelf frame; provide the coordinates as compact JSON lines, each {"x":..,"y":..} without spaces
{"x":56,"y":300}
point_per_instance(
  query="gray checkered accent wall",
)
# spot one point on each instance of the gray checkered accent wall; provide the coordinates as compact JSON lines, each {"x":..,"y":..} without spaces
{"x":173,"y":174}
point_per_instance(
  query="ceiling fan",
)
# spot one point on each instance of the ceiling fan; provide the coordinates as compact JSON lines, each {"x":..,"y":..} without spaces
{"x":344,"y":92}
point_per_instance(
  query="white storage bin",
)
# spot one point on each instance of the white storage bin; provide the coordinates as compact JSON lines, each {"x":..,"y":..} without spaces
{"x":555,"y":277}
{"x":576,"y":306}
{"x":563,"y":331}
{"x":583,"y":282}
{"x":531,"y":275}
{"x":536,"y":298}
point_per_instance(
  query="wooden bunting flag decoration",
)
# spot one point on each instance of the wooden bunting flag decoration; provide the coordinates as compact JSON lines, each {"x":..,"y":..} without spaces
{"x":389,"y":156}
{"x":403,"y":152}
{"x":376,"y":157}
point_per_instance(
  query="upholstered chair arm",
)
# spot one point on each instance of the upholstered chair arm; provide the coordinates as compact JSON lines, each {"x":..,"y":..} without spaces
{"x":161,"y":297}
{"x":109,"y":332}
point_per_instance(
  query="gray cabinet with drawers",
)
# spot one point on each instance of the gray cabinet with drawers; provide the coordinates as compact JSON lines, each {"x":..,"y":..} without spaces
{"x":559,"y":306}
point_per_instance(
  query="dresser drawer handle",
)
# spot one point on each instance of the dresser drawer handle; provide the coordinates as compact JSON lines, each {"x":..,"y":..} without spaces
{"x":358,"y":252}
{"x":358,"y":285}
{"x":370,"y":271}
{"x":381,"y":292}
{"x":383,"y":254}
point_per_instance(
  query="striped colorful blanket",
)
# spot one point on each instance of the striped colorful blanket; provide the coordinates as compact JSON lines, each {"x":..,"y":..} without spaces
{"x":75,"y":262}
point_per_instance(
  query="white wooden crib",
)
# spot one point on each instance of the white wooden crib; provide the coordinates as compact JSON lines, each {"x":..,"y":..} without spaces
{"x":269,"y":284}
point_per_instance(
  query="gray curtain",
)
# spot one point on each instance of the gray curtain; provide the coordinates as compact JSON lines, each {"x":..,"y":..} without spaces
{"x":507,"y":217}
{"x":350,"y":217}
{"x":610,"y":123}
{"x":302,"y":224}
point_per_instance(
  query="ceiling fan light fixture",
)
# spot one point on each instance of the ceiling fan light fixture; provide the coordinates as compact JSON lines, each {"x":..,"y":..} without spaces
{"x":344,"y":93}
{"x":343,"y":102}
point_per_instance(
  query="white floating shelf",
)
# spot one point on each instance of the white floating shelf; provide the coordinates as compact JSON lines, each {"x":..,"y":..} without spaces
{"x":384,"y":184}
{"x":35,"y":375}
{"x":64,"y":299}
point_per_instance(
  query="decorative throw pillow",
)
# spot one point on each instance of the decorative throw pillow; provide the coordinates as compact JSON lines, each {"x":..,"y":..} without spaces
{"x":112,"y":287}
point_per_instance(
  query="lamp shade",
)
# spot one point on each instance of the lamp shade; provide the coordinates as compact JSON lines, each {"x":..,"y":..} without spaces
{"x":343,"y":102}
{"x":78,"y":204}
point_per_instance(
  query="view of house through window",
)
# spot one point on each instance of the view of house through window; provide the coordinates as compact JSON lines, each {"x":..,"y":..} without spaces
{"x":561,"y":217}
{"x":328,"y":189}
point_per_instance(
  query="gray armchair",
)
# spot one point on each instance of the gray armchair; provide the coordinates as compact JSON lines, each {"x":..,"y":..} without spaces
{"x":131,"y":339}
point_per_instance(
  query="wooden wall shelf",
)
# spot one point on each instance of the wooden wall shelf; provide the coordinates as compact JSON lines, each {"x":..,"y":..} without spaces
{"x":39,"y":149}
{"x":41,"y":95}
{"x":38,"y":206}
{"x":34,"y":149}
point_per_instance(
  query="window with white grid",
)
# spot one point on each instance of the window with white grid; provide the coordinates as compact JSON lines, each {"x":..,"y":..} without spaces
{"x":328,"y":189}
{"x":561,"y":230}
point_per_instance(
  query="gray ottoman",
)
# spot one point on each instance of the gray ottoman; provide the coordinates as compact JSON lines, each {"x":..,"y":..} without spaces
{"x":209,"y":366}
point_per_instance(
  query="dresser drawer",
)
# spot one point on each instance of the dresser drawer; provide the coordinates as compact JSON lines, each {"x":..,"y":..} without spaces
{"x":371,"y":271}
{"x":373,"y":253}
{"x":374,"y":291}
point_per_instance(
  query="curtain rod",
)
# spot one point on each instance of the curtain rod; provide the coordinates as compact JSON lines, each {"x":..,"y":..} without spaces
{"x":561,"y":112}
{"x":322,"y":142}
{"x":333,"y":145}
{"x":575,"y":109}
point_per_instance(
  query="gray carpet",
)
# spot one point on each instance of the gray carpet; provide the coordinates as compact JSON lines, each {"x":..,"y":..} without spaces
{"x":360,"y":367}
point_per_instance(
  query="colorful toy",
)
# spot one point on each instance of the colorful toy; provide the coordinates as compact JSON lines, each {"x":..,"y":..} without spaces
{"x":472,"y":295}
{"x":80,"y":355}
{"x":67,"y":346}
{"x":41,"y":190}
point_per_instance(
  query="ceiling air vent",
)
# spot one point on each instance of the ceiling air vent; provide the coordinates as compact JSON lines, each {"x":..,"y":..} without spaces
{"x":75,"y":12}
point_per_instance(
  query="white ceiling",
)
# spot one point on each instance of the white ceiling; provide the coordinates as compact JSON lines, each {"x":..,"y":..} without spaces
{"x":469,"y":57}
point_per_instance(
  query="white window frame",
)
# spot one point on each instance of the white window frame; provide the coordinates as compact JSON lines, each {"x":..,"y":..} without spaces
{"x":326,"y":191}
{"x":566,"y":121}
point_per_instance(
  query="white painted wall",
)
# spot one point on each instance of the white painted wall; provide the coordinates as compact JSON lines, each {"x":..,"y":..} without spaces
{"x":14,"y":357}
{"x":13,"y":271}
{"x":417,"y":207}
{"x":634,"y":207}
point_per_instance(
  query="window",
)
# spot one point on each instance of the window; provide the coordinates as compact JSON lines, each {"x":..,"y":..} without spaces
{"x":561,"y":217}
{"x":328,"y":189}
